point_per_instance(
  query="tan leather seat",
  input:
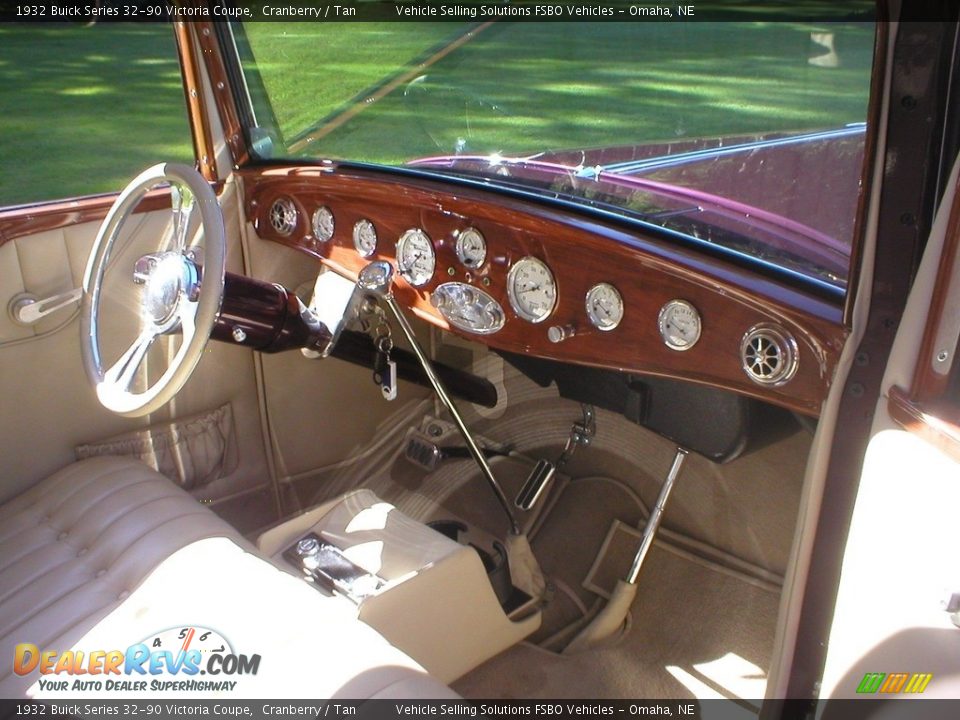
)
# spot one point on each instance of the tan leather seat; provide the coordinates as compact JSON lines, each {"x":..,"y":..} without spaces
{"x":106,"y":553}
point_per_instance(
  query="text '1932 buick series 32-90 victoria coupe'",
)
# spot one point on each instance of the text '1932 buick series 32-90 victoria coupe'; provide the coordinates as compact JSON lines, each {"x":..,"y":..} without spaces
{"x":463,"y":352}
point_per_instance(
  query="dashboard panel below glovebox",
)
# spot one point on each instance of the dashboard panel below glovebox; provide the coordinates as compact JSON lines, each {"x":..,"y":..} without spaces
{"x":741,"y":314}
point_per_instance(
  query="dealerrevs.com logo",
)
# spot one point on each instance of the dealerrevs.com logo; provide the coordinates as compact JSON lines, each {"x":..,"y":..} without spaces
{"x":170,"y":660}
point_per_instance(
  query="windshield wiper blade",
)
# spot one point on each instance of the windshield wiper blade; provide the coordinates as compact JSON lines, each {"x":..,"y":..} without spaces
{"x":632,"y":167}
{"x":664,"y":214}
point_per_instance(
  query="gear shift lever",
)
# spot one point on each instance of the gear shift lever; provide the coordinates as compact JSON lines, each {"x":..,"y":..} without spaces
{"x":377,"y":279}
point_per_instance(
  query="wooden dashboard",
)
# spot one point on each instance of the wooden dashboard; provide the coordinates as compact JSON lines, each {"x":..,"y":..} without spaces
{"x":647,"y":272}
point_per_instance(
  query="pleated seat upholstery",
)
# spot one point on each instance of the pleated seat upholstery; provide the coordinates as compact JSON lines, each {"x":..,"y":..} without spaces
{"x":107,"y":549}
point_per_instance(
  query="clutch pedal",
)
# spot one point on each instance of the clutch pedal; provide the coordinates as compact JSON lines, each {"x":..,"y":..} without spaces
{"x":422,"y":451}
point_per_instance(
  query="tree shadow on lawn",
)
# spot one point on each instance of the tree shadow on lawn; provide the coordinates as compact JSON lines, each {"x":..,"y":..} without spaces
{"x":87,"y":107}
{"x":564,"y":85}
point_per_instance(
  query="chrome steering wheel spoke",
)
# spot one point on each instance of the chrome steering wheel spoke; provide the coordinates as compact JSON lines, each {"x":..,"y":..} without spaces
{"x":182,"y":202}
{"x":122,"y":373}
{"x":172,"y":297}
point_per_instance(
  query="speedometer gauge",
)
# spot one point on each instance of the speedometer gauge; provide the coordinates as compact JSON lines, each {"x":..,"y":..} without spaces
{"x":531,"y":289}
{"x":604,"y":306}
{"x":680,"y":325}
{"x":415,"y":257}
{"x":471,"y":248}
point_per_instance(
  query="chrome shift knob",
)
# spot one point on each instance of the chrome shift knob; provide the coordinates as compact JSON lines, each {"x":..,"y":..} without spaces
{"x":376,"y":277}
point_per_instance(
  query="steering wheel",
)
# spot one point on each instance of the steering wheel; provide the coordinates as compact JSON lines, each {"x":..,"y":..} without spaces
{"x":177,"y":295}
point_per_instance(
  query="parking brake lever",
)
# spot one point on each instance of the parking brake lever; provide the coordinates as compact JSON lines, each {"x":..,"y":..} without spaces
{"x":377,"y":279}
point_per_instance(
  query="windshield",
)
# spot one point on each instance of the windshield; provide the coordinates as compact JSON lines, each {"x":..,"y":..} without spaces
{"x":748,"y":136}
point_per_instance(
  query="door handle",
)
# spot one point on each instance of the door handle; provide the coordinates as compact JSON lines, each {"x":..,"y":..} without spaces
{"x":27,"y":309}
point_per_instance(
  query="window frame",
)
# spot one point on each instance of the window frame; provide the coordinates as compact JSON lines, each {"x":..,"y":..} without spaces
{"x":223,"y":66}
{"x":26,"y":219}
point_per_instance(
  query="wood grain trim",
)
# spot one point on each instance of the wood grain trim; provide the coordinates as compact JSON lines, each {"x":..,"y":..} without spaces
{"x":203,"y":147}
{"x":581,"y":251}
{"x":223,"y":94}
{"x":940,"y":426}
{"x":33,"y":219}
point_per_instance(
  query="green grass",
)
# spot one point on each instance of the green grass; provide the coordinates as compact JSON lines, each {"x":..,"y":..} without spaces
{"x":85,"y":108}
{"x":527,"y":87}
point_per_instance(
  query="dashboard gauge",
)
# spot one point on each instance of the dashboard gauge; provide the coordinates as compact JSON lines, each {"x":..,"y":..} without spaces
{"x":471,"y":248}
{"x":680,"y":325}
{"x":604,"y":306}
{"x":365,"y":237}
{"x":468,"y":308}
{"x":322,"y":223}
{"x":532,"y":289}
{"x":415,"y":257}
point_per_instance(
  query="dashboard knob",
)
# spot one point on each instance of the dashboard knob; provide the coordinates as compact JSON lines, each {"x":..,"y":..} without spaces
{"x":558,"y":333}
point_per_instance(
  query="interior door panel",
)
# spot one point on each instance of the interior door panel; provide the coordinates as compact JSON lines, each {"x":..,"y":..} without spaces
{"x":48,"y":401}
{"x":894,"y":621}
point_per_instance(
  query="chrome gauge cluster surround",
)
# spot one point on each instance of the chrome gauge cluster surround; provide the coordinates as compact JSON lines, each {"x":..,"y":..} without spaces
{"x":468,"y":308}
{"x":364,"y":237}
{"x":604,"y":306}
{"x":323,"y":223}
{"x":471,"y":248}
{"x":416,"y":258}
{"x":680,"y":325}
{"x":532,"y":289}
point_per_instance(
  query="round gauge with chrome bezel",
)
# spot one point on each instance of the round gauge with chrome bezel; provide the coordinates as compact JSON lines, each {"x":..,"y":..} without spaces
{"x":471,"y":248}
{"x":416,"y":259}
{"x":364,"y":237}
{"x":680,"y":325}
{"x":323,"y":223}
{"x":532,"y":289}
{"x":604,"y":306}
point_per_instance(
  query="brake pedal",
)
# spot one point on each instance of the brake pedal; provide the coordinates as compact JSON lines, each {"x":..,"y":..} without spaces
{"x":581,"y":433}
{"x":535,"y":484}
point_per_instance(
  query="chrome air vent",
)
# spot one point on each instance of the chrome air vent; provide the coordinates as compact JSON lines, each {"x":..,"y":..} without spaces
{"x":769,"y":354}
{"x":283,"y":216}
